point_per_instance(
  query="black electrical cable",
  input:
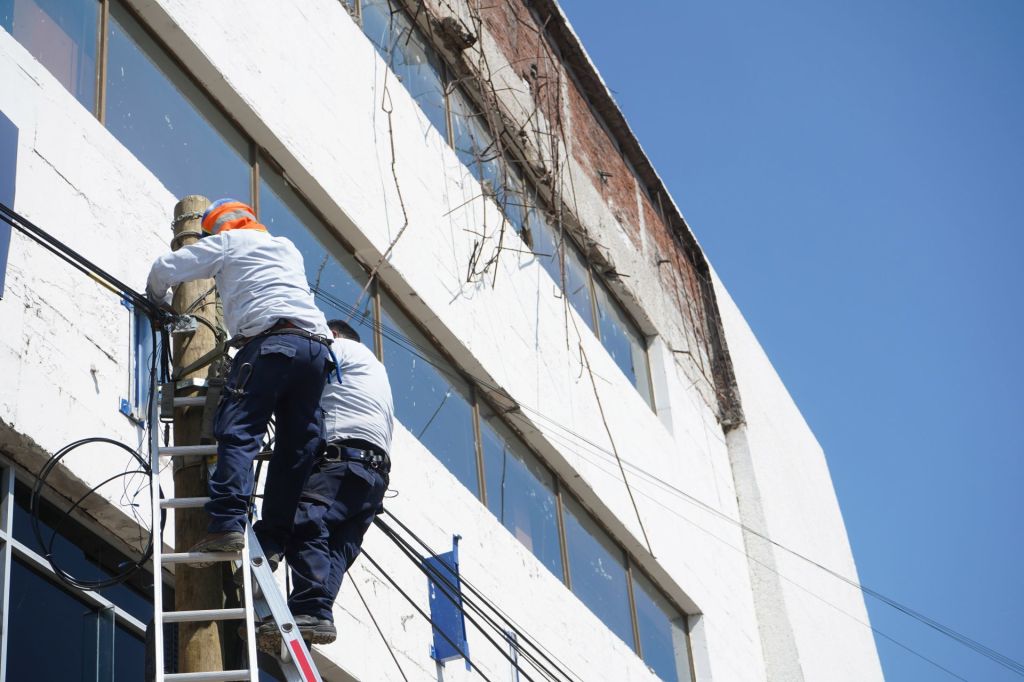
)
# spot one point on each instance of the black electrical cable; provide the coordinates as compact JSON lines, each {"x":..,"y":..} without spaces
{"x":51,"y":464}
{"x":159,"y":367}
{"x":412,"y":602}
{"x":75,"y":259}
{"x":452,"y":593}
{"x":548,"y":656}
{"x":380,"y":632}
{"x":545,"y":666}
{"x":154,"y":312}
{"x":440,"y":365}
{"x":47,"y":547}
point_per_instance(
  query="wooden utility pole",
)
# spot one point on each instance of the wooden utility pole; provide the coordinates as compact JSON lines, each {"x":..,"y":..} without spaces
{"x":199,"y":644}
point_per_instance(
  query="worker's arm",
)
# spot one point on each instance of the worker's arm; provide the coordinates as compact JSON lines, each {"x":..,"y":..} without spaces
{"x":195,"y":261}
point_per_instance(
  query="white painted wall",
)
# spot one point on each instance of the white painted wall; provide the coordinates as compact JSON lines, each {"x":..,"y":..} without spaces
{"x":787,"y":472}
{"x":306,"y":84}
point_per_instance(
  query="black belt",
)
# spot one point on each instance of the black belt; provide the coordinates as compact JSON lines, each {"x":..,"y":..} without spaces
{"x":337,"y":451}
{"x":282,"y":327}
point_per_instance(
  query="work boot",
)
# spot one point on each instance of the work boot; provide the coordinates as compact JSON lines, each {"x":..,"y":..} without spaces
{"x":314,"y":630}
{"x":229,"y":541}
{"x":268,"y":637}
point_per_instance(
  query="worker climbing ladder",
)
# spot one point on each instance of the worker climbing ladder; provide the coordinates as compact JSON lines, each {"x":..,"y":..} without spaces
{"x":266,"y":601}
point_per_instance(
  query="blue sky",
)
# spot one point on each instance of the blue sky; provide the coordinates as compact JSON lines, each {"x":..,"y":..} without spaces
{"x":855,"y":173}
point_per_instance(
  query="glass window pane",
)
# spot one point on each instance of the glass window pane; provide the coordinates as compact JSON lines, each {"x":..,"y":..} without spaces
{"x":85,"y":556}
{"x":41,"y":613}
{"x":663,"y":634}
{"x":335,"y":277}
{"x":545,"y":242}
{"x":520,"y":491}
{"x":546,"y":245}
{"x":414,"y":61}
{"x":164,"y":119}
{"x":379,"y":24}
{"x":511,"y":197}
{"x":62,"y":35}
{"x":597,"y":570}
{"x":577,"y":284}
{"x":473,"y":141}
{"x":623,"y":341}
{"x":431,"y":401}
{"x":409,"y":54}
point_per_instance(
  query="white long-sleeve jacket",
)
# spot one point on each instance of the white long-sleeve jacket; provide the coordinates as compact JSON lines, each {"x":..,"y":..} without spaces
{"x":261,"y":279}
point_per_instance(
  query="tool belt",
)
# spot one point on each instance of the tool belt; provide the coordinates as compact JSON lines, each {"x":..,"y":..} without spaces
{"x":281,"y":327}
{"x":357,"y":451}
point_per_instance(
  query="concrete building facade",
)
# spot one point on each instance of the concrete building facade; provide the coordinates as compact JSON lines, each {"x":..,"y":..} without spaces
{"x":579,"y":398}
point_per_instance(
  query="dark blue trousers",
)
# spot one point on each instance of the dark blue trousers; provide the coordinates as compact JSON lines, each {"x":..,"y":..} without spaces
{"x":281,"y":375}
{"x":338,"y":505}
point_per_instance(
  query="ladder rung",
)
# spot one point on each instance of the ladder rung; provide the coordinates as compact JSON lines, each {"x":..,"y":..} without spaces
{"x":214,"y":676}
{"x":183,"y":502}
{"x":187,"y":557}
{"x":185,"y":450}
{"x":203,"y":615}
{"x":189,"y":402}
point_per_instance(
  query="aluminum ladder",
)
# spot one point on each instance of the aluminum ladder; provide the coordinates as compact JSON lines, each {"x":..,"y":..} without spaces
{"x":294,"y":658}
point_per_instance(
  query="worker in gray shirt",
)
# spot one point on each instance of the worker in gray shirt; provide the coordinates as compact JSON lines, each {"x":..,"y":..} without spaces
{"x":344,"y":492}
{"x":279,"y":370}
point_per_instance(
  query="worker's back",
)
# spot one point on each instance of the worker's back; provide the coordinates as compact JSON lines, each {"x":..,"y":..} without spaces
{"x":360,"y":405}
{"x":261,"y":280}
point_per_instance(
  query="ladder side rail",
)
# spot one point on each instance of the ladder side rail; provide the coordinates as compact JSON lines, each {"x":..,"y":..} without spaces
{"x":250,"y":625}
{"x":158,"y":536}
{"x":298,"y":664}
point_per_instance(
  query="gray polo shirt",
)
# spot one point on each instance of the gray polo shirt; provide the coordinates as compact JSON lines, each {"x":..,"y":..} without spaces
{"x":360,"y":406}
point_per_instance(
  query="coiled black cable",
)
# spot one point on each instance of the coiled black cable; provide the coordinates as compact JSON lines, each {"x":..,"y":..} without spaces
{"x":47,"y":545}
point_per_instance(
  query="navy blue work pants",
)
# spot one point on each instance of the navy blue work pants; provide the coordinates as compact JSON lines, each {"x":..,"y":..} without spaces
{"x":338,"y":505}
{"x":281,"y":375}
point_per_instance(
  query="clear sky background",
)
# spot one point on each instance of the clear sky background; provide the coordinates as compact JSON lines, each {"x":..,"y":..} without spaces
{"x":855,"y":173}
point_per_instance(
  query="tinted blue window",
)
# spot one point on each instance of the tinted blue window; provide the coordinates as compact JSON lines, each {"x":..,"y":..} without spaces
{"x":663,"y":636}
{"x":39,"y":606}
{"x":473,"y":142}
{"x":511,"y":197}
{"x":577,"y":283}
{"x":409,"y":54}
{"x":167,"y":123}
{"x":545,"y":243}
{"x":520,"y":491}
{"x":597,"y":571}
{"x":336,"y":279}
{"x":86,"y":557}
{"x":62,"y":35}
{"x":432,"y":402}
{"x":623,"y":342}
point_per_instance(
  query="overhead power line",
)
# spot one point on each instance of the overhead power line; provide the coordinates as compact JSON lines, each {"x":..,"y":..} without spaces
{"x":80,"y":263}
{"x":141,"y":302}
{"x":440,"y":364}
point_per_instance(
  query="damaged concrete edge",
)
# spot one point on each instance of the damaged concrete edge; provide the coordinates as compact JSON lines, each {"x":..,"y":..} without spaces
{"x":557,"y":28}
